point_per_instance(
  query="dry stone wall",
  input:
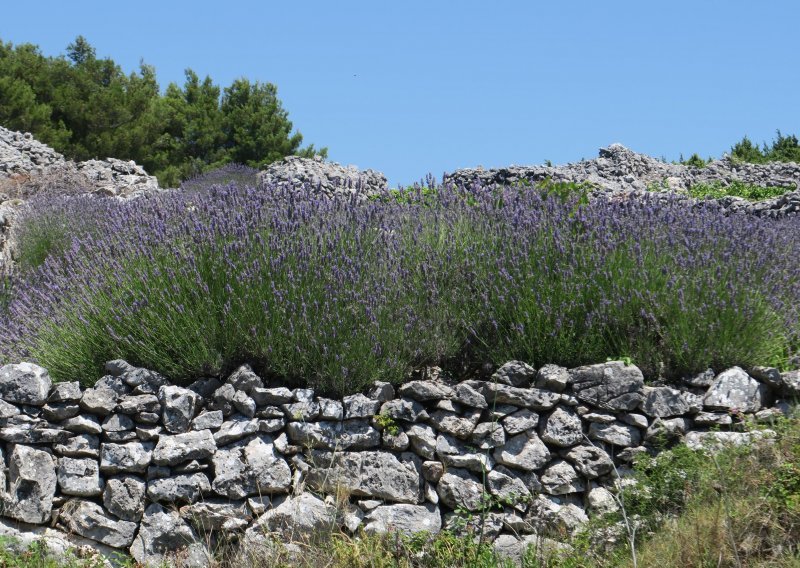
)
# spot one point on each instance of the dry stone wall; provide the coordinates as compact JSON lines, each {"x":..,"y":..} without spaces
{"x":140,"y":465}
{"x":618,"y":171}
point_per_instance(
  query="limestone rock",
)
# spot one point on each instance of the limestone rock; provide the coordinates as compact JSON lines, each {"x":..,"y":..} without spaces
{"x":79,"y":476}
{"x":90,"y":521}
{"x":563,"y":428}
{"x":663,"y":402}
{"x":24,"y":383}
{"x":459,"y":489}
{"x":523,"y":451}
{"x":515,"y":374}
{"x":405,"y":518}
{"x":250,"y":467}
{"x":612,"y":386}
{"x":179,"y":407}
{"x":133,"y":457}
{"x":735,"y":390}
{"x":123,"y":497}
{"x":31,"y":485}
{"x":195,"y":445}
{"x":371,"y":474}
{"x":163,"y":536}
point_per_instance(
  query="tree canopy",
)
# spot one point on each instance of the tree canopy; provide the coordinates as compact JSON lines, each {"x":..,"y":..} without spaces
{"x":87,"y":107}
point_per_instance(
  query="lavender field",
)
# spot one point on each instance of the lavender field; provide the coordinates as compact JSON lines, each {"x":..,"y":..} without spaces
{"x":336,"y":294}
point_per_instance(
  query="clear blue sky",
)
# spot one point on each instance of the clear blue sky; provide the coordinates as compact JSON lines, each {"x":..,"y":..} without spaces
{"x":414,"y":87}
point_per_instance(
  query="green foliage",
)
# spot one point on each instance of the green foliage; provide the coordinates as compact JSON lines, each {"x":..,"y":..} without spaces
{"x":87,"y":107}
{"x":695,"y":161}
{"x":386,"y":422}
{"x":736,"y":188}
{"x":782,"y":149}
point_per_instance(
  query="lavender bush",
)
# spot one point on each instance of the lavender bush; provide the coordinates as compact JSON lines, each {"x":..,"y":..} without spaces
{"x":337,"y":295}
{"x":237,"y":174}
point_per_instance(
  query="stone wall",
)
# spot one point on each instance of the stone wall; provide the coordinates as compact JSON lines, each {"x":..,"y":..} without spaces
{"x":141,"y":465}
{"x":618,"y":170}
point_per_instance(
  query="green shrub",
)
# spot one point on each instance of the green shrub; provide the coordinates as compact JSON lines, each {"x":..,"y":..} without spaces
{"x":736,"y":188}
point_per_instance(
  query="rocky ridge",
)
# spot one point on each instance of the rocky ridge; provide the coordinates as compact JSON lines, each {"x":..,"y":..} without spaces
{"x":140,"y":465}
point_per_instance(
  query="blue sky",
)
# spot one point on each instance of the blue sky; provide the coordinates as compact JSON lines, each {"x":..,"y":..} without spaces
{"x":414,"y":87}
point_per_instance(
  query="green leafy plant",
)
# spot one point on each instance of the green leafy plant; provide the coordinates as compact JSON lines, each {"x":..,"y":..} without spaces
{"x":736,"y":188}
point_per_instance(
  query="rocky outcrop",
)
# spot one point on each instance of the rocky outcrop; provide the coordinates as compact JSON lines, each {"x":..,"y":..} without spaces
{"x":620,"y":171}
{"x":323,"y":179}
{"x":137,"y":464}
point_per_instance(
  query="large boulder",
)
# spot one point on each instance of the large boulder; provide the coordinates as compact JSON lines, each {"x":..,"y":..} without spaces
{"x":250,"y":467}
{"x":299,"y":517}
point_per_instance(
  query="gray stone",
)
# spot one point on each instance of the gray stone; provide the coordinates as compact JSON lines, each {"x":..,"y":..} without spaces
{"x":590,"y":461}
{"x":404,"y":409}
{"x":423,"y":440}
{"x":667,"y":430}
{"x":359,"y":406}
{"x":172,"y":450}
{"x":120,"y":437}
{"x":137,"y":404}
{"x":468,"y":396}
{"x":611,"y":386}
{"x":791,"y":383}
{"x":117,"y":423}
{"x":535,"y":399}
{"x":552,"y":377}
{"x":372,"y":474}
{"x":56,"y":412}
{"x":454,"y":453}
{"x":600,"y":501}
{"x":563,"y":428}
{"x":118,"y":367}
{"x":488,"y":435}
{"x":716,"y":441}
{"x":79,"y":476}
{"x":274,"y":396}
{"x":24,"y":383}
{"x":330,"y":409}
{"x":65,"y":392}
{"x":133,"y":457}
{"x":617,"y":434}
{"x":397,"y":441}
{"x":459,"y":489}
{"x":99,"y":401}
{"x":183,"y":488}
{"x":147,"y":418}
{"x":114,"y":384}
{"x":245,"y":380}
{"x":222,"y":399}
{"x":143,"y":381}
{"x":163,"y":537}
{"x":244,"y":404}
{"x":350,"y":434}
{"x":701,"y":380}
{"x":454,"y":424}
{"x":520,"y":421}
{"x":8,"y":410}
{"x":217,"y":515}
{"x":770,"y":376}
{"x":633,"y":419}
{"x":303,"y":395}
{"x":324,"y":180}
{"x":735,"y":390}
{"x":301,"y":411}
{"x":381,"y":391}
{"x":601,"y":418}
{"x":31,"y":485}
{"x":250,"y":467}
{"x":179,"y":407}
{"x":404,"y":518}
{"x":236,"y":428}
{"x":209,"y":420}
{"x":523,"y":451}
{"x":37,"y":435}
{"x":508,"y":487}
{"x":90,"y":521}
{"x":432,"y":471}
{"x":123,"y":497}
{"x":82,"y":445}
{"x":560,"y":478}
{"x":271,"y":425}
{"x":713,"y":419}
{"x":424,"y":391}
{"x":663,"y":402}
{"x":300,"y":517}
{"x":515,"y":374}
